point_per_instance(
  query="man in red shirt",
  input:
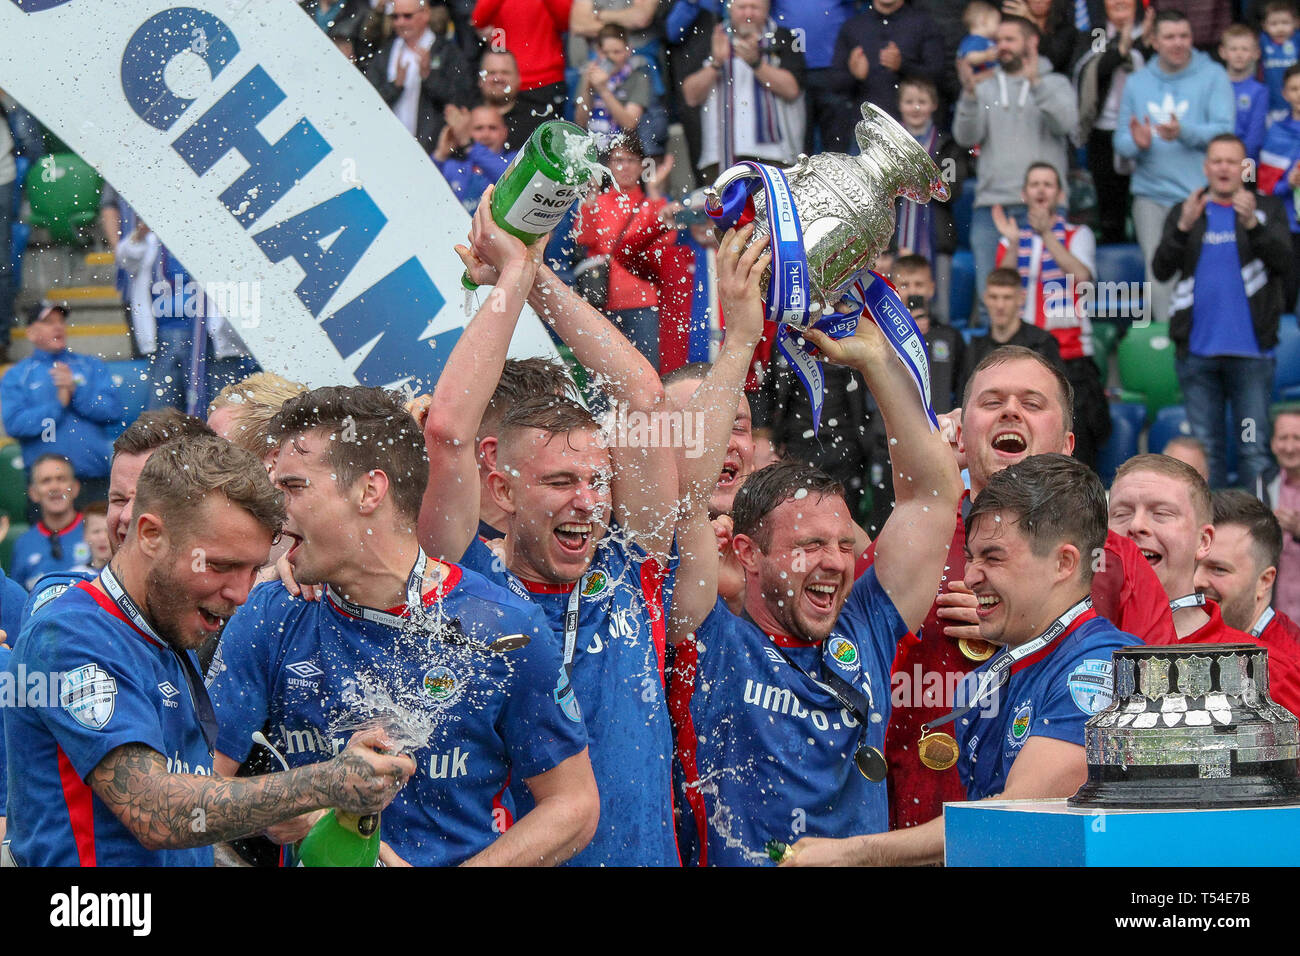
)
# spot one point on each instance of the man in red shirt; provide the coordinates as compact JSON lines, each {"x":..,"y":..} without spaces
{"x":1163,"y":506}
{"x":533,"y":31}
{"x":1239,"y":574}
{"x":1016,"y":404}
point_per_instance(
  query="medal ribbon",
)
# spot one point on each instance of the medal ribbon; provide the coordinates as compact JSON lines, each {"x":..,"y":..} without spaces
{"x":999,"y":670}
{"x":1264,"y":620}
{"x":1187,"y":600}
{"x":198,"y":693}
{"x":414,"y":597}
{"x":849,"y":697}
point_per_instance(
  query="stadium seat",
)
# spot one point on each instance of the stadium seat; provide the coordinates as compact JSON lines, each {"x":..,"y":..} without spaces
{"x":1121,"y":263}
{"x":1104,"y":336}
{"x":1146,"y":365}
{"x":13,"y":483}
{"x":16,"y":530}
{"x":1126,"y":424}
{"x":1170,"y":422}
{"x":63,"y":190}
{"x":1286,"y":378}
{"x":132,"y":380}
{"x":962,"y":294}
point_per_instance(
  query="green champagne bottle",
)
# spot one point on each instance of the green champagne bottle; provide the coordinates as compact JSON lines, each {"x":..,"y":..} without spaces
{"x":341,"y":839}
{"x":542,"y":181}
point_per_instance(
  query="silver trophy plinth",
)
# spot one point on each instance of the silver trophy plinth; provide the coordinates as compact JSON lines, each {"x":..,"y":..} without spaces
{"x":846,"y":203}
{"x":1191,"y":726}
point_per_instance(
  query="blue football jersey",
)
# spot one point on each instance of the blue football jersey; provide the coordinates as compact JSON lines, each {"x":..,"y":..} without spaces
{"x":766,"y":752}
{"x":116,"y":685}
{"x":474,"y":721}
{"x":618,"y":674}
{"x":47,"y":588}
{"x":34,"y":551}
{"x":1050,"y":693}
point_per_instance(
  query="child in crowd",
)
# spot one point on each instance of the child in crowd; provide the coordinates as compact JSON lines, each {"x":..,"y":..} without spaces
{"x":1280,"y":44}
{"x":929,"y":230}
{"x":1239,"y":51}
{"x":1279,"y":169}
{"x":96,"y":536}
{"x":978,"y":48}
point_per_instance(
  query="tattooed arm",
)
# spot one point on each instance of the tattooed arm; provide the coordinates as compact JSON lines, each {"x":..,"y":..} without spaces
{"x":172,"y":811}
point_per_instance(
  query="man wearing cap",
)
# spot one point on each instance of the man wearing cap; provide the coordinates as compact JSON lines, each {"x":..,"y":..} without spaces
{"x":56,"y":401}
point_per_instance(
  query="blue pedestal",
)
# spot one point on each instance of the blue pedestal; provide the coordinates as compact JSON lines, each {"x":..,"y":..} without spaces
{"x":1048,"y":833}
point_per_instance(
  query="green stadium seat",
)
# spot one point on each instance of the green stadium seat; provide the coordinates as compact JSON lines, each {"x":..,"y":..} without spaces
{"x":16,"y":531}
{"x":1146,"y":365}
{"x":63,"y":190}
{"x":1104,"y":336}
{"x":13,"y":483}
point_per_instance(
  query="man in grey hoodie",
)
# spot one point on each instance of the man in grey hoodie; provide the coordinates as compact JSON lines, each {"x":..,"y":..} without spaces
{"x":1019,"y":113}
{"x":1169,"y":112}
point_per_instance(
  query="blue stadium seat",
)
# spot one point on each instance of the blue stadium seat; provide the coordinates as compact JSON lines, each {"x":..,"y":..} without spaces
{"x":1126,"y":420}
{"x":962,"y":295}
{"x":1170,"y":421}
{"x":1121,"y":262}
{"x":132,"y":381}
{"x":1287,"y":375}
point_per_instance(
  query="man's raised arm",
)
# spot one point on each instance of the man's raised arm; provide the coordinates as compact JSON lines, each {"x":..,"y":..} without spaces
{"x":913,"y":544}
{"x":449,"y":512}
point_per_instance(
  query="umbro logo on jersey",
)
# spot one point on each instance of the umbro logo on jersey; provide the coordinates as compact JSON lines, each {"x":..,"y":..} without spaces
{"x":168,"y":689}
{"x":305,"y":669}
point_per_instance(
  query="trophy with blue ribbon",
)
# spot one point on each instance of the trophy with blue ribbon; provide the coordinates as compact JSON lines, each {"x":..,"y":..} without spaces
{"x":829,"y":217}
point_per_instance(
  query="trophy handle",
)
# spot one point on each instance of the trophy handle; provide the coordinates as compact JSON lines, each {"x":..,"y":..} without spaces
{"x":917,"y":177}
{"x":713,"y":194}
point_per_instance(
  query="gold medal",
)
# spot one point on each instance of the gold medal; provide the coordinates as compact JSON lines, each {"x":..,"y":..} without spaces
{"x":974,"y":649}
{"x":512,"y":642}
{"x":937,"y":751}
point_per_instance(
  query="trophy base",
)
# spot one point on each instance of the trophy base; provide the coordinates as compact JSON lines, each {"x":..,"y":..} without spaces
{"x":1270,"y":784}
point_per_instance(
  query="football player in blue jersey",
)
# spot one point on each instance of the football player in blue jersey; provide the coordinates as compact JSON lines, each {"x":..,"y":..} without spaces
{"x":131,"y":450}
{"x":520,"y":379}
{"x":782,"y":710}
{"x":114,"y":766}
{"x":1033,"y":538}
{"x":468,"y":673}
{"x":589,"y":516}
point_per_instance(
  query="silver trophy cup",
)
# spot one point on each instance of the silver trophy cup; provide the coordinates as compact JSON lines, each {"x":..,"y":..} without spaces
{"x":846,"y":203}
{"x":1190,"y":726}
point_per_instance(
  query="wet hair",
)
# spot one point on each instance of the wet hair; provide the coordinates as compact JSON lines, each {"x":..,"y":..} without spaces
{"x":1197,"y":489}
{"x":256,"y":399}
{"x":1056,"y":500}
{"x":370,"y":430}
{"x":690,"y":372}
{"x":611,"y":31}
{"x":181,"y":474}
{"x":766,"y":489}
{"x":521,"y":379}
{"x":1240,"y":508}
{"x":1013,"y":353}
{"x":552,"y":414}
{"x":155,"y":429}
